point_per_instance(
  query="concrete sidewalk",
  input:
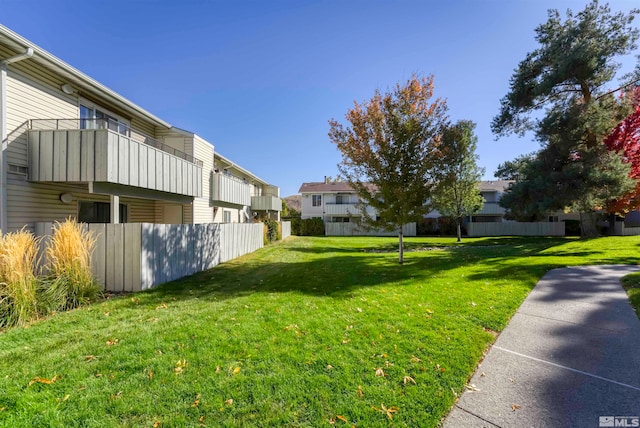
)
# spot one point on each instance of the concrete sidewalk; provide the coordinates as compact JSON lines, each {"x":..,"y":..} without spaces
{"x":569,"y":356}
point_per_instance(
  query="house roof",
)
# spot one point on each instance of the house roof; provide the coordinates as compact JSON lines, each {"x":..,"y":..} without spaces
{"x":75,"y":77}
{"x":495,"y":185}
{"x":231,"y":164}
{"x":322,"y":187}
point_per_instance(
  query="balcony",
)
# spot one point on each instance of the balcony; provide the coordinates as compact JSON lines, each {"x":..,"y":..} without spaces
{"x":227,"y":189}
{"x":491,"y":208}
{"x":266,"y":203}
{"x":346,"y":209}
{"x":83,"y":150}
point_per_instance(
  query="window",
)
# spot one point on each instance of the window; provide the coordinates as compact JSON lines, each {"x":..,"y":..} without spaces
{"x":316,"y":200}
{"x":340,"y":220}
{"x":99,"y":212}
{"x":342,"y":199}
{"x":92,"y":117}
{"x":553,"y":219}
{"x":226,"y":216}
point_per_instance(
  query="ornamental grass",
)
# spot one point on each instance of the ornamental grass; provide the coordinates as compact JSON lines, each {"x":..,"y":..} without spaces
{"x":71,"y":282}
{"x":19,"y":283}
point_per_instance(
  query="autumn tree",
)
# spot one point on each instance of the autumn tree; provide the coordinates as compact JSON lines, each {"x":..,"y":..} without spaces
{"x":625,"y":140}
{"x":389,"y":153}
{"x":566,"y":78}
{"x":457,"y":193}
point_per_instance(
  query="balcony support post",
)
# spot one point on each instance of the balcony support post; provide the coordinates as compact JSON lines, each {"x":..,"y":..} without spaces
{"x":115,"y":209}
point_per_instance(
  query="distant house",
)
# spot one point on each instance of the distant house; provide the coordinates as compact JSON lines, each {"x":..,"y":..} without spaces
{"x":71,"y":147}
{"x":338,"y":205}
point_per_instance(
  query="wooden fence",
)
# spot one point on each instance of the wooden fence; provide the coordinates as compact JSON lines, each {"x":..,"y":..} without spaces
{"x":138,"y":256}
{"x":515,"y":229}
{"x":620,"y":229}
{"x":286,"y":229}
{"x":354,"y":229}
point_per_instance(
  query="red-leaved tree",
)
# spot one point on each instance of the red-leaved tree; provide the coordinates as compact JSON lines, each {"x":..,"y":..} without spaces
{"x":625,"y":139}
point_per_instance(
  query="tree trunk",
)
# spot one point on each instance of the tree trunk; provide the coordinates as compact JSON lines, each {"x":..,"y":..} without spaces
{"x":588,"y":227}
{"x":459,"y":230}
{"x":400,"y":247}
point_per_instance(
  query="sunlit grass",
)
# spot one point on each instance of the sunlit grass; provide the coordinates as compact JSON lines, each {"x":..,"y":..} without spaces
{"x":308,"y":332}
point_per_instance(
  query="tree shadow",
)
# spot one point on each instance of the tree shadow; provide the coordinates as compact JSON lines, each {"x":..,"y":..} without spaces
{"x":337,"y":271}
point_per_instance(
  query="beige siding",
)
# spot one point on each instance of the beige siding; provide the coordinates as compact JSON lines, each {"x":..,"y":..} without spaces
{"x":38,"y":202}
{"x":203,"y":207}
{"x":27,"y":99}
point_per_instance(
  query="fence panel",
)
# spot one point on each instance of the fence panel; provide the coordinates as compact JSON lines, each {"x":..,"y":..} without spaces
{"x":286,"y":229}
{"x":515,"y":229}
{"x":138,"y":256}
{"x":354,"y":229}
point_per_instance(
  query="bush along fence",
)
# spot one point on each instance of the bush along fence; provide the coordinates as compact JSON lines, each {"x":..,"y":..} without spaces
{"x":138,"y":256}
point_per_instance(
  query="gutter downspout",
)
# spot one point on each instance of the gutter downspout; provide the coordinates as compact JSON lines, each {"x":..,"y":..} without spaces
{"x":3,"y":129}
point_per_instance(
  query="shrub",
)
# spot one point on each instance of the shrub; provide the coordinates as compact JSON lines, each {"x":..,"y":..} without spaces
{"x":69,"y":256}
{"x":272,"y":231}
{"x":18,"y":281}
{"x":307,"y":227}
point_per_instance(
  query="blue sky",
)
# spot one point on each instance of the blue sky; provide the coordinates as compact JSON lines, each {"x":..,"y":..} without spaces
{"x":260,"y":79}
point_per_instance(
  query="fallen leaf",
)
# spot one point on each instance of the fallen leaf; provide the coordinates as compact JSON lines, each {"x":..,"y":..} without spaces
{"x":63,"y":399}
{"x":409,"y":379}
{"x":150,"y":374}
{"x":218,"y":369}
{"x":229,"y":402}
{"x":389,"y":412}
{"x":201,"y":419}
{"x":112,"y":342}
{"x":359,"y":309}
{"x":236,"y":371}
{"x":415,"y":359}
{"x":329,"y":367}
{"x":515,"y":407}
{"x":106,"y":314}
{"x":342,"y":418}
{"x":345,"y":341}
{"x":359,"y":391}
{"x":180,"y":366}
{"x":90,"y":358}
{"x":196,"y":402}
{"x":483,"y":374}
{"x":162,"y":306}
{"x":2,"y":409}
{"x":380,"y":372}
{"x":156,"y":424}
{"x":44,"y":380}
{"x":471,"y":387}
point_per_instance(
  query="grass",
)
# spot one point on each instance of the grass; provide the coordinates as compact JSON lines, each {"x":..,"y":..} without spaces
{"x":631,"y":284}
{"x":308,"y":332}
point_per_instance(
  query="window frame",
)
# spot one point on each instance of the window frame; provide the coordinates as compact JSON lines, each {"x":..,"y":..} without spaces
{"x":316,"y":200}
{"x":124,"y":212}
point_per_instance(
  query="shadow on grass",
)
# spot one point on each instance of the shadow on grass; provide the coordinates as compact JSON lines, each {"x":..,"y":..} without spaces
{"x":330,"y":270}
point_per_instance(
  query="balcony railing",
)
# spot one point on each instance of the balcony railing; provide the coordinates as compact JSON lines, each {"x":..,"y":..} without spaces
{"x":115,"y":126}
{"x":229,"y":189}
{"x":346,"y":209}
{"x":266,"y":203}
{"x":491,"y":208}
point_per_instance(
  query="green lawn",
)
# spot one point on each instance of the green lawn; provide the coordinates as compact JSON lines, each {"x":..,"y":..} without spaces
{"x":308,"y":332}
